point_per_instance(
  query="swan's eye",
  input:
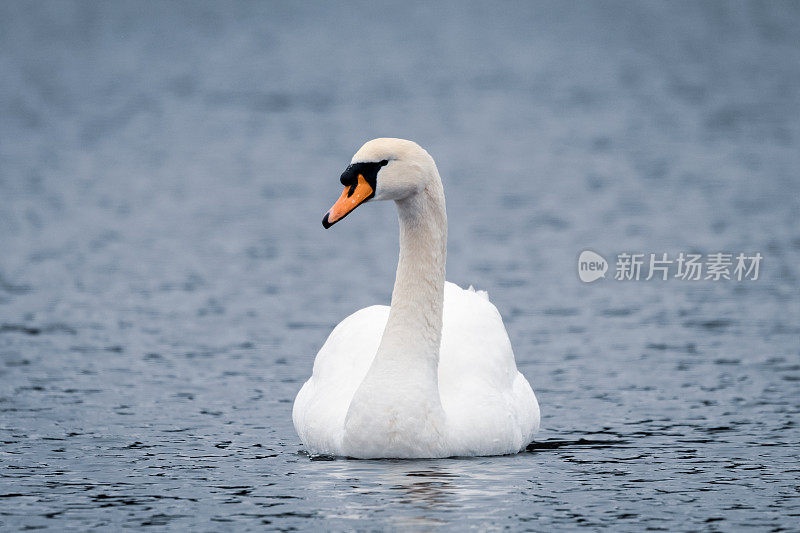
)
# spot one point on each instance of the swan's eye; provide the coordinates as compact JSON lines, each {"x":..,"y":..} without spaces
{"x":368,"y":170}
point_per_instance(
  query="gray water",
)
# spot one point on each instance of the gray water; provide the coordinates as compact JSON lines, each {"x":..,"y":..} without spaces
{"x":165,"y":281}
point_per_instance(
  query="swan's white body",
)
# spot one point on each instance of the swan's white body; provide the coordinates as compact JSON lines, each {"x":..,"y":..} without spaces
{"x":433,"y":375}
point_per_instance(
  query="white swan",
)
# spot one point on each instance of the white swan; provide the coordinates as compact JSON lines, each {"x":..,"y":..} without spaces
{"x":434,"y":374}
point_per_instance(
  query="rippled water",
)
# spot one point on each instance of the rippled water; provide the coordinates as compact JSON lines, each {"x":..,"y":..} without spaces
{"x":165,"y":281}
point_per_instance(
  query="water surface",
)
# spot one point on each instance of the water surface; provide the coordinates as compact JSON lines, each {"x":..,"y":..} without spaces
{"x":165,"y":281}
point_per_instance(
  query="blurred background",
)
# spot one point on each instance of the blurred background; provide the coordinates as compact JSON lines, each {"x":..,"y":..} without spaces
{"x":165,"y":281}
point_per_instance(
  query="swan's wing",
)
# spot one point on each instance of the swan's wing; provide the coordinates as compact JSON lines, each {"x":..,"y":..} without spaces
{"x":339,"y":368}
{"x":490,"y":406}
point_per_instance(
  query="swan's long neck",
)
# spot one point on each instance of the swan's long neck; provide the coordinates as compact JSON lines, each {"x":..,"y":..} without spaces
{"x":414,"y":328}
{"x":396,"y":409}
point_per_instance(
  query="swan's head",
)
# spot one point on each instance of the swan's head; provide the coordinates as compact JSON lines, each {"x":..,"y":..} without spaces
{"x":382,"y":169}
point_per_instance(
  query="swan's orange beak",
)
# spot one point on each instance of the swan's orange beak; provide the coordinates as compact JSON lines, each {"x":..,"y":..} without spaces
{"x":352,"y":197}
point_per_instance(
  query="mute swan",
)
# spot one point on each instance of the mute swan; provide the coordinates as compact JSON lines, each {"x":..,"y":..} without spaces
{"x":434,"y":374}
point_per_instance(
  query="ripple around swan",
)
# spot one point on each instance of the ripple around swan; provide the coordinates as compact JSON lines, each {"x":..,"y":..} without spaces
{"x":165,"y":281}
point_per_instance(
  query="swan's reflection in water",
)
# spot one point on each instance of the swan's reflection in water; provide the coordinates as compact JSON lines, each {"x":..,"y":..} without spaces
{"x":429,"y":488}
{"x":419,"y":493}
